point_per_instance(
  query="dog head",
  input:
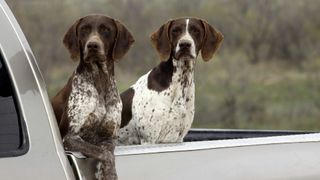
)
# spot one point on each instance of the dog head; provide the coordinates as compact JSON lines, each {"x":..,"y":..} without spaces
{"x":183,"y":39}
{"x":97,"y":38}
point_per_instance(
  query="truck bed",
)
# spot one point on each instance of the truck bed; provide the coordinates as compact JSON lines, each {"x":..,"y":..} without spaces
{"x":210,"y":153}
{"x":223,"y":134}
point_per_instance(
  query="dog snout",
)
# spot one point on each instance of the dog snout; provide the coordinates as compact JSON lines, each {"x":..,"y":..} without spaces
{"x":184,"y":45}
{"x":93,"y":46}
{"x":94,"y":43}
{"x":94,"y":49}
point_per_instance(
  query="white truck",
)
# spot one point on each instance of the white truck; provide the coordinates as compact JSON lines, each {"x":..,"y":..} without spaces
{"x":31,"y":147}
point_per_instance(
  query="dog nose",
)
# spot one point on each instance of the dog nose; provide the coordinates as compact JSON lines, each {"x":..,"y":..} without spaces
{"x":184,"y":44}
{"x":93,"y":46}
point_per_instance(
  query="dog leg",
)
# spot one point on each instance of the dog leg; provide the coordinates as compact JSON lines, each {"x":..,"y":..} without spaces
{"x":106,"y":170}
{"x":76,"y":143}
{"x":104,"y":153}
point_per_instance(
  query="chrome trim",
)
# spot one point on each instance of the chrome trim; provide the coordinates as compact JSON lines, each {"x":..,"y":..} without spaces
{"x":205,"y":145}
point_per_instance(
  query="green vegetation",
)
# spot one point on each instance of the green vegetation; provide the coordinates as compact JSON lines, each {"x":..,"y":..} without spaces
{"x":265,"y":76}
{"x":264,"y":96}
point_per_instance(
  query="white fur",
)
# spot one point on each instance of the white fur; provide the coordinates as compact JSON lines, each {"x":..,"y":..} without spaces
{"x":84,"y":101}
{"x":187,"y":38}
{"x":161,"y":117}
{"x":81,"y":111}
{"x":99,"y":172}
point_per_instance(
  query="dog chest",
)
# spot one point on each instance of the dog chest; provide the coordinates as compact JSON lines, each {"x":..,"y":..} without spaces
{"x":163,"y":116}
{"x":86,"y":108}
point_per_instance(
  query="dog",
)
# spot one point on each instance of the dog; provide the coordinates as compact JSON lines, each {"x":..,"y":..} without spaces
{"x":88,"y":107}
{"x":159,"y":107}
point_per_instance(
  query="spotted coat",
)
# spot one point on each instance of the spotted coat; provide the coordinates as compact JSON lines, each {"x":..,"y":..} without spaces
{"x":90,"y":111}
{"x":161,"y":117}
{"x":159,"y":107}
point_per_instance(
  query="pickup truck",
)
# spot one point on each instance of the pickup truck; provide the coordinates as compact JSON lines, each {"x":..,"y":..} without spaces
{"x":31,"y":146}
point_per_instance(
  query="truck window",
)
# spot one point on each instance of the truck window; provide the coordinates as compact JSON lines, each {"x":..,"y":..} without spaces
{"x":11,"y":137}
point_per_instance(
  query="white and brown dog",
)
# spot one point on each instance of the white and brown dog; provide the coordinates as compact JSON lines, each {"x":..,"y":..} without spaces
{"x":88,"y":108}
{"x":159,"y":107}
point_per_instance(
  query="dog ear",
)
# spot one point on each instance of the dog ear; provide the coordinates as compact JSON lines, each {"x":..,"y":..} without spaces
{"x":70,"y":40}
{"x":211,"y":41}
{"x":161,"y":42}
{"x":123,"y":41}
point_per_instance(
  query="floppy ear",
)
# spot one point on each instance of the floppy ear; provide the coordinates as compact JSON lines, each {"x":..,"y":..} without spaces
{"x":122,"y":42}
{"x":70,"y":41}
{"x":211,"y":41}
{"x":160,"y":40}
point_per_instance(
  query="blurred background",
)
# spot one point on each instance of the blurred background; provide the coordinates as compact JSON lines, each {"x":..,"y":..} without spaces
{"x":266,"y":75}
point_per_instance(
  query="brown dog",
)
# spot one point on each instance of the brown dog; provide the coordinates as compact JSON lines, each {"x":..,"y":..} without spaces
{"x":88,"y":108}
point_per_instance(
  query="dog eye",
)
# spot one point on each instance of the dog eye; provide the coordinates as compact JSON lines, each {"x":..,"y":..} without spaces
{"x":104,"y":29}
{"x":194,"y":30}
{"x":85,"y":30}
{"x":176,"y":30}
